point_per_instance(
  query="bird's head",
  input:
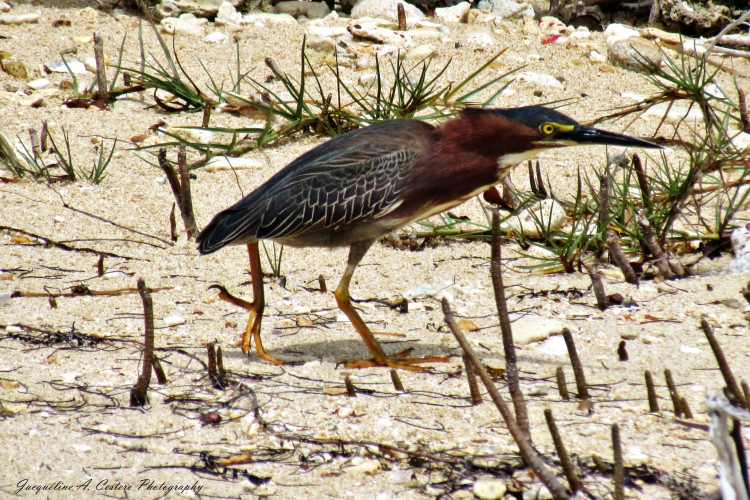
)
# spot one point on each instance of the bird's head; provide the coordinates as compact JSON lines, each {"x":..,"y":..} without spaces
{"x":517,"y":134}
{"x":547,"y":128}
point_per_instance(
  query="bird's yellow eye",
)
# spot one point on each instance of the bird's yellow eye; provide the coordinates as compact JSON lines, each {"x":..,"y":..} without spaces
{"x":547,"y":128}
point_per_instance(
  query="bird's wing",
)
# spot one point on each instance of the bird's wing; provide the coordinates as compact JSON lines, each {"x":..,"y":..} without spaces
{"x":338,"y":191}
{"x":350,"y":180}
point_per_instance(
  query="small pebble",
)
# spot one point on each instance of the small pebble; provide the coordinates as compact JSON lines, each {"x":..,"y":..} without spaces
{"x":541,"y":493}
{"x":75,"y":66}
{"x":400,"y":476}
{"x":367,"y":79}
{"x":490,"y":489}
{"x":367,"y":466}
{"x":215,"y":37}
{"x":480,"y":40}
{"x":32,"y":100}
{"x":174,"y":319}
{"x":596,"y":57}
{"x":31,"y":17}
{"x":39,"y":84}
{"x":420,"y":53}
{"x":453,"y":14}
{"x":15,"y":67}
{"x":540,"y":79}
{"x":553,"y":346}
{"x":186,"y":24}
{"x":689,"y":350}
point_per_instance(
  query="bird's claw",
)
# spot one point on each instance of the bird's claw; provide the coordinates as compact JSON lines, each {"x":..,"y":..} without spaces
{"x":398,"y":361}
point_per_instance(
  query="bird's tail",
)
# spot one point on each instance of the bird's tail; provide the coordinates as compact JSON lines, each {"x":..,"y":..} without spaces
{"x":214,"y":236}
{"x":208,"y":240}
{"x":234,"y":226}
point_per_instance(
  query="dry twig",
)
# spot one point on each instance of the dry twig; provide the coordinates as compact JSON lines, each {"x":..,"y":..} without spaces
{"x":597,"y":285}
{"x":726,"y":372}
{"x":139,"y":393}
{"x":562,"y":385}
{"x":180,"y":188}
{"x":396,"y":379}
{"x":673,"y":394}
{"x":529,"y":455}
{"x":653,"y":404}
{"x":511,"y":363}
{"x":401,"y":17}
{"x":471,"y":375}
{"x":562,"y":453}
{"x":619,"y":471}
{"x":575,"y":361}
{"x":101,"y":72}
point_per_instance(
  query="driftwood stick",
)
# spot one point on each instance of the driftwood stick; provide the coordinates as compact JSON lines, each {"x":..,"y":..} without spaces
{"x":139,"y":392}
{"x":186,"y":198}
{"x":562,"y":385}
{"x":471,"y":375}
{"x":396,"y":380}
{"x":726,"y":372}
{"x":540,"y":181}
{"x":101,"y":72}
{"x":575,"y":361}
{"x":619,"y":470}
{"x":643,"y":185}
{"x":618,"y":256}
{"x":180,"y":188}
{"x":529,"y":455}
{"x":511,"y":362}
{"x":673,"y":394}
{"x":351,"y":391}
{"x":653,"y":403}
{"x":686,"y":411}
{"x":660,"y":259}
{"x":161,"y":377}
{"x":562,"y":453}
{"x":742,"y":98}
{"x":739,"y":447}
{"x":597,"y":285}
{"x":401,"y":17}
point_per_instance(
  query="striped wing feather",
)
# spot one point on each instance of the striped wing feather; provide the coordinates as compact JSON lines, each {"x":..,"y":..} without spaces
{"x":348,"y":181}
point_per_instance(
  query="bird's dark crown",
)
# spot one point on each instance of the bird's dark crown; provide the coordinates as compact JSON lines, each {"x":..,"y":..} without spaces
{"x":532,"y":116}
{"x":544,"y":121}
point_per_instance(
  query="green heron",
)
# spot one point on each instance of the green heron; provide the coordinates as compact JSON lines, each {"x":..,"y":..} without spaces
{"x":359,"y":186}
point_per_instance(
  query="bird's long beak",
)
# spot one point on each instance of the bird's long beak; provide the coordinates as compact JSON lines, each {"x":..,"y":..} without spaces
{"x":588,"y":135}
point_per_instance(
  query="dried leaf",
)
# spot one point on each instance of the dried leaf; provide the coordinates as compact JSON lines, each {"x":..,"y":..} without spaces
{"x":21,"y":240}
{"x":304,"y":321}
{"x":467,"y":325}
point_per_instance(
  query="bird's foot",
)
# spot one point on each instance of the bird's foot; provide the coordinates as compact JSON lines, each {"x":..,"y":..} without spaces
{"x":253,"y":324}
{"x":399,"y":361}
{"x":228,"y":297}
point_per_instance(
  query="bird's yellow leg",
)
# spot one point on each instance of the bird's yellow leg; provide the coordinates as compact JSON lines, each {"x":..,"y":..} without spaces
{"x":256,"y":311}
{"x":255,"y":307}
{"x":356,"y":253}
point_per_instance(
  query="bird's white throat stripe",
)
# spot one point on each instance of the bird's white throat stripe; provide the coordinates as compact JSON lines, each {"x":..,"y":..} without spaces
{"x":516,"y":158}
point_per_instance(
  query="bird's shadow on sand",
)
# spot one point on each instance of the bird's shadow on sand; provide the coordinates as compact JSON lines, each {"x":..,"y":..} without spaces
{"x":340,"y":352}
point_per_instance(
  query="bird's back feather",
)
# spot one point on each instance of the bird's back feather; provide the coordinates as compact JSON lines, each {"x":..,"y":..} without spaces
{"x":323,"y":195}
